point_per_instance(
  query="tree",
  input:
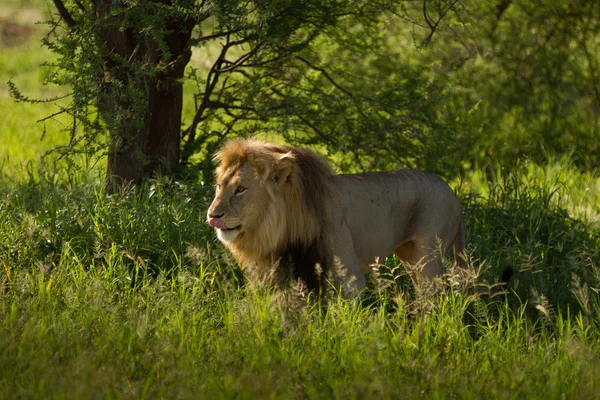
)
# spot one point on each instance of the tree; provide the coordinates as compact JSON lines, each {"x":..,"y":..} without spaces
{"x":311,"y":70}
{"x":434,"y":84}
{"x":126,"y":63}
{"x":524,"y":77}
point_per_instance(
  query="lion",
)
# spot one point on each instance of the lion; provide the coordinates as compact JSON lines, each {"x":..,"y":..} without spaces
{"x":281,"y":208}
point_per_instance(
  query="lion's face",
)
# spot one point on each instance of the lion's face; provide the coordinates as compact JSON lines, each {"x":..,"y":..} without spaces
{"x":239,"y":202}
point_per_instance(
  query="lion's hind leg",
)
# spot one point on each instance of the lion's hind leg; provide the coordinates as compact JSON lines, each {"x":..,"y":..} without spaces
{"x":422,"y":261}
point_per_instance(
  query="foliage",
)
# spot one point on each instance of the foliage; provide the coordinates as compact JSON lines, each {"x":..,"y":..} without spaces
{"x":521,"y":220}
{"x":474,"y":85}
{"x":522,"y":76}
{"x":439,"y":85}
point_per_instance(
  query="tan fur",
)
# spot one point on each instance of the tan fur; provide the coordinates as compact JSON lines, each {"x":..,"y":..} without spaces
{"x":295,"y":212}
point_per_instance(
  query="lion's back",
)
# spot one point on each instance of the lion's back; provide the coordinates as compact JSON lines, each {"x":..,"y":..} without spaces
{"x":376,"y":206}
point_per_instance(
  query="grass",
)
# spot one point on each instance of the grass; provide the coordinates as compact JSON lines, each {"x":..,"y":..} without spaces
{"x":73,"y":333}
{"x":130,"y":296}
{"x":541,"y":219}
{"x":88,"y":337}
{"x":24,"y":139}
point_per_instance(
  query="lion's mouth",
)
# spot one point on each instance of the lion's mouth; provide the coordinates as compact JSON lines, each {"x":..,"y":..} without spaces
{"x":219,"y":223}
{"x":232,"y":229}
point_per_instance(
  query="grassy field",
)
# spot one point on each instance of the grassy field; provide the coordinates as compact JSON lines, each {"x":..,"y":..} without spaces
{"x":130,"y":295}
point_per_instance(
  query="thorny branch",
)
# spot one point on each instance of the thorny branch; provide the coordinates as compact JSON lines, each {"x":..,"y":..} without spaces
{"x":326,"y":75}
{"x":240,"y":61}
{"x":211,"y":82}
{"x":434,"y":25}
{"x":64,"y":13}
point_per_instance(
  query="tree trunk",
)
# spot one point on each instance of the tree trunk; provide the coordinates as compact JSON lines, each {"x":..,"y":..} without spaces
{"x":141,"y":98}
{"x":153,"y":148}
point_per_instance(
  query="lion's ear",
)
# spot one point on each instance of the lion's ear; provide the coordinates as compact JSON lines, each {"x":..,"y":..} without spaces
{"x":282,"y":169}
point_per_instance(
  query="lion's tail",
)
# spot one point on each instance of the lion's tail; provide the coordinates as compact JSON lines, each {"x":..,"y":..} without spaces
{"x":460,"y":244}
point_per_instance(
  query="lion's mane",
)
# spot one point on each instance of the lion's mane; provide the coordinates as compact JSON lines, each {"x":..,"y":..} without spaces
{"x":293,"y":233}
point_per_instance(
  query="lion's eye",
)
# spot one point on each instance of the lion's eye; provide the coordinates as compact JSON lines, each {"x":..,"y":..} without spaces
{"x":240,"y":190}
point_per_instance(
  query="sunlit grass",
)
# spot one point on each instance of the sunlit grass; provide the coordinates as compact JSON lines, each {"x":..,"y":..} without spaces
{"x":24,"y":139}
{"x":578,"y":192}
{"x":75,"y":332}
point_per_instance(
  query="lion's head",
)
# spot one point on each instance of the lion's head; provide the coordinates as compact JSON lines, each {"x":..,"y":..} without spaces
{"x":269,"y":201}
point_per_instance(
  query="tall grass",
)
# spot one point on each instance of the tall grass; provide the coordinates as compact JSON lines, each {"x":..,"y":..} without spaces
{"x":544,"y":221}
{"x":76,"y":333}
{"x":129,"y":295}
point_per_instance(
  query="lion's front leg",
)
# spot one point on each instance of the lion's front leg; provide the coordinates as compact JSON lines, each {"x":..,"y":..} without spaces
{"x":347,"y":272}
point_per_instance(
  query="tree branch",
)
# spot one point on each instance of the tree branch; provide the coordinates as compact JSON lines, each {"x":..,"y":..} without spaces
{"x":240,"y":61}
{"x":211,"y":82}
{"x":326,"y":75}
{"x":433,"y":26}
{"x":315,"y":129}
{"x":64,"y":13}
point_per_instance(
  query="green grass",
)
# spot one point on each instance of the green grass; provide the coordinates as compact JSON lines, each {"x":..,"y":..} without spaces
{"x":541,"y":219}
{"x":24,"y":139}
{"x":73,"y":333}
{"x":130,"y":296}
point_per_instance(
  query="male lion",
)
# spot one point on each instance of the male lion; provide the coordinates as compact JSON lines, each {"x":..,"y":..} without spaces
{"x":281,"y":209}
